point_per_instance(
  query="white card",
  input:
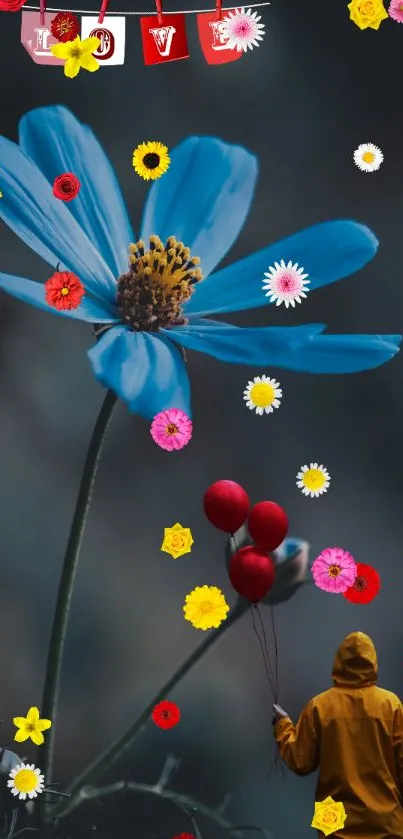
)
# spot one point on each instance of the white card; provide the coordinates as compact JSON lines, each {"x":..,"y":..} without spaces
{"x":111,"y":33}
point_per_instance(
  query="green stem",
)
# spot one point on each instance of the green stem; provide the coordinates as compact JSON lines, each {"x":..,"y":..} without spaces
{"x":66,"y":587}
{"x":108,"y":757}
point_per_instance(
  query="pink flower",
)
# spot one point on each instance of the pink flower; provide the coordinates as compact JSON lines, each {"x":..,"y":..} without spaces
{"x":171,"y":429}
{"x":395,"y":10}
{"x":334,"y":570}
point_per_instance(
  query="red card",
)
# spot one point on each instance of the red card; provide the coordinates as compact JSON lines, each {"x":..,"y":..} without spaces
{"x":213,"y":41}
{"x":164,"y":41}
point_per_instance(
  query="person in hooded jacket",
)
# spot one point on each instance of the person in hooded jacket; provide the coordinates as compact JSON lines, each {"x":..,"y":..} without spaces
{"x":353,"y":734}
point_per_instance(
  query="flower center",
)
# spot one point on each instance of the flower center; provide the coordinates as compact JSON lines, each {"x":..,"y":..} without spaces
{"x":334,"y":570}
{"x":328,"y":816}
{"x":262,"y":395}
{"x":64,"y":291}
{"x":367,"y":8}
{"x":75,"y":53}
{"x":401,"y":7}
{"x":206,"y":607}
{"x":360,"y":584}
{"x":30,"y":727}
{"x":26,"y":780}
{"x":166,"y":715}
{"x":159,"y":281}
{"x":151,"y":160}
{"x":368,"y":157}
{"x":172,"y":428}
{"x":314,"y":479}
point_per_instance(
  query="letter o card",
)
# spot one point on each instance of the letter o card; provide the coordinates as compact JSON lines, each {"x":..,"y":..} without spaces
{"x":163,"y":42}
{"x":213,"y":41}
{"x":111,"y":33}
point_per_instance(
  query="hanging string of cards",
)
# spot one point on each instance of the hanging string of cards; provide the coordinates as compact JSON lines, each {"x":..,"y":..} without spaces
{"x":59,"y":38}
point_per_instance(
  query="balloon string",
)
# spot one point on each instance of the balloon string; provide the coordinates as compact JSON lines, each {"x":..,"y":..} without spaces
{"x":266,"y":661}
{"x":275,"y":679}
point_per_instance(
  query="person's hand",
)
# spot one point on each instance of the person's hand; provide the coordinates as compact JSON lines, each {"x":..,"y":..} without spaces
{"x":279,"y":713}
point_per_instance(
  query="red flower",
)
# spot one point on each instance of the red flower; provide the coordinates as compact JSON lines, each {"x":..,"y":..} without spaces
{"x":64,"y":26}
{"x":166,"y":714}
{"x":11,"y":5}
{"x":366,"y":585}
{"x":66,"y":186}
{"x":64,"y":291}
{"x":185,"y":836}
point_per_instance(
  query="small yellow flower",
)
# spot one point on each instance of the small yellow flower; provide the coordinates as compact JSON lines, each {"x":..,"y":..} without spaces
{"x":205,"y":607}
{"x":31,"y":726}
{"x":151,"y":160}
{"x":77,"y":54}
{"x":367,"y":14}
{"x":329,"y":816}
{"x":177,"y":541}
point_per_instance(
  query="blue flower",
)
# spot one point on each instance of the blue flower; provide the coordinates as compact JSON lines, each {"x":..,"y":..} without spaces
{"x":203,"y":201}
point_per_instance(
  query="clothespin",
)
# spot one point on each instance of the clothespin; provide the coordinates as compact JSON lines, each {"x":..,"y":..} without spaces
{"x":103,"y":11}
{"x":218,"y":6}
{"x":158,"y":4}
{"x":42,"y":11}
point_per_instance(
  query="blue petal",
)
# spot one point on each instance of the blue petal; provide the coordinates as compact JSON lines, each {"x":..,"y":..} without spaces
{"x":57,"y":142}
{"x":34,"y":293}
{"x":44,"y":223}
{"x":146,"y":371}
{"x":344,"y":353}
{"x":327,"y":252}
{"x":203,"y":199}
{"x":272,"y":345}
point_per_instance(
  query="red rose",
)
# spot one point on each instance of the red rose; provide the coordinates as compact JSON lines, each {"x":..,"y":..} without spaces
{"x":11,"y":5}
{"x":65,"y":186}
{"x":64,"y":26}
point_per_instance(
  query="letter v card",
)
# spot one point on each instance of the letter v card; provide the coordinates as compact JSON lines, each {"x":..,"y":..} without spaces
{"x":164,"y":41}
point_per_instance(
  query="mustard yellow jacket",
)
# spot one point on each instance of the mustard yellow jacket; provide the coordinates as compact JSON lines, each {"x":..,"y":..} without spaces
{"x":352,"y":733}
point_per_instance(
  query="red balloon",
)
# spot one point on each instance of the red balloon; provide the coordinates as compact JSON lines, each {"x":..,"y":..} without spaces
{"x":226,"y":505}
{"x":268,"y":525}
{"x":252,"y":573}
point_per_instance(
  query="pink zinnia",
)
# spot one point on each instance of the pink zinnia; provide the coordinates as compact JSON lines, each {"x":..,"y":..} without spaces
{"x":395,"y":10}
{"x":334,"y":570}
{"x":171,"y":429}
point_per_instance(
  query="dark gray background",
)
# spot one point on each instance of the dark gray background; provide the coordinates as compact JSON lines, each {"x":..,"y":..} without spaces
{"x":315,"y":89}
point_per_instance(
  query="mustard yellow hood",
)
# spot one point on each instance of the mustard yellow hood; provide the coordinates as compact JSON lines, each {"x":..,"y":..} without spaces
{"x":355,"y":663}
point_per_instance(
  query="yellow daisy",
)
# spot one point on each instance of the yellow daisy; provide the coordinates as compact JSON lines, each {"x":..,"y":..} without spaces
{"x":205,"y":607}
{"x":31,"y":726}
{"x":26,"y":781}
{"x":262,"y":395}
{"x":151,"y":160}
{"x":313,"y":480}
{"x":77,"y":54}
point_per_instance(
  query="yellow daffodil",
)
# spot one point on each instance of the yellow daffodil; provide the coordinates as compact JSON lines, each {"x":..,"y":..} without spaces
{"x":329,"y":816}
{"x":31,"y":726}
{"x":77,"y":54}
{"x":178,"y":540}
{"x":367,"y":14}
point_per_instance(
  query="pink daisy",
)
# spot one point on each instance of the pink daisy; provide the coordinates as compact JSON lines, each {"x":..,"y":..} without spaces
{"x":285,"y":283}
{"x":395,"y":10}
{"x":171,"y":429}
{"x":334,"y":570}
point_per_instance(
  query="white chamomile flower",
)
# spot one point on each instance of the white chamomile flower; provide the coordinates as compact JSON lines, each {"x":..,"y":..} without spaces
{"x":26,"y":781}
{"x":368,"y":157}
{"x":313,"y":480}
{"x":243,"y":30}
{"x":262,"y":395}
{"x":285,"y":283}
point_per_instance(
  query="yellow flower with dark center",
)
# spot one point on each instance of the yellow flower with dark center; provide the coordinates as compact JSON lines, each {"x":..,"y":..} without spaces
{"x":151,"y":160}
{"x":205,"y":607}
{"x":77,"y":54}
{"x":31,"y":726}
{"x":178,"y":540}
{"x":151,"y":294}
{"x":329,"y":816}
{"x":367,"y":14}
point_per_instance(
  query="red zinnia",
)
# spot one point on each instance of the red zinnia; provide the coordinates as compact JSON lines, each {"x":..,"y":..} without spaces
{"x":11,"y":5}
{"x":66,"y":186}
{"x":166,"y":714}
{"x":366,"y":585}
{"x":185,"y":836}
{"x":64,"y":27}
{"x":64,"y":291}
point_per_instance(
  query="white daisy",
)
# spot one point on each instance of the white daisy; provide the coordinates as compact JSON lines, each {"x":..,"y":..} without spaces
{"x":368,"y":157}
{"x":26,"y":781}
{"x":313,"y":480}
{"x":262,"y":395}
{"x":285,"y":283}
{"x":243,"y":30}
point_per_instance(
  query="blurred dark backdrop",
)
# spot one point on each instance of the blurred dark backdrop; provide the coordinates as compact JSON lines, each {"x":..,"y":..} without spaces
{"x":315,"y":89}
